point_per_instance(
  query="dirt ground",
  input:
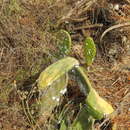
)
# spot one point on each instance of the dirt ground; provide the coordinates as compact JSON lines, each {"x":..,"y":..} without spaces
{"x":27,"y":46}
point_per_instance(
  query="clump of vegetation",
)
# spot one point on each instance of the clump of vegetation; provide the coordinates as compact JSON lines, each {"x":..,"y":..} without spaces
{"x":52,"y":84}
{"x":29,"y":43}
{"x":64,"y":44}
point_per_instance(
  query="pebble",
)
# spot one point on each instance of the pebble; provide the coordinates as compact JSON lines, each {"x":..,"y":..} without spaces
{"x":116,"y":7}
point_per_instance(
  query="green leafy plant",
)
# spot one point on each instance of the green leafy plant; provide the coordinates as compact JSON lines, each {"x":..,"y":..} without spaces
{"x":53,"y":82}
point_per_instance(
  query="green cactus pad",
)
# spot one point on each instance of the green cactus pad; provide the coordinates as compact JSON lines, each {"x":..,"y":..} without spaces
{"x":64,"y":42}
{"x":52,"y":82}
{"x":51,"y":96}
{"x":96,"y":106}
{"x":89,"y":50}
{"x":84,"y":121}
{"x":55,"y":71}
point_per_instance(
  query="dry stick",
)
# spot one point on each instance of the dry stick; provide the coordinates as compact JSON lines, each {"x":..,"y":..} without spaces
{"x":113,"y":27}
{"x":78,"y":19}
{"x":128,"y":1}
{"x":89,"y":4}
{"x":30,"y":115}
{"x":105,"y":121}
{"x":1,"y":54}
{"x":71,"y":20}
{"x":88,"y":26}
{"x":72,"y":11}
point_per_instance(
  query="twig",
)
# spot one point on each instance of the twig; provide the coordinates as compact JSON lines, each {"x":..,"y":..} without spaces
{"x":78,"y":19}
{"x":113,"y":27}
{"x":128,"y":1}
{"x":88,"y":26}
{"x":71,"y":20}
{"x":106,"y":120}
{"x":72,"y":11}
{"x":31,"y":117}
{"x":115,"y":81}
{"x":89,"y":4}
{"x":1,"y":54}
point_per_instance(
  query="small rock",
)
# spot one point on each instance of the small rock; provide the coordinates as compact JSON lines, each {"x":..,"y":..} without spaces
{"x":116,"y":7}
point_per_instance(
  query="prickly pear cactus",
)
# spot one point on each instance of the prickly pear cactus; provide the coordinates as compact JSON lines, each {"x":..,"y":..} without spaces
{"x":55,"y":71}
{"x":63,"y":42}
{"x":89,"y":51}
{"x":52,"y":94}
{"x":96,"y":106}
{"x":52,"y":83}
{"x":84,"y":121}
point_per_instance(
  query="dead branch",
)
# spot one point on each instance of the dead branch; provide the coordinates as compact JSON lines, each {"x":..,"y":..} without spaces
{"x":88,"y":26}
{"x":113,"y":27}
